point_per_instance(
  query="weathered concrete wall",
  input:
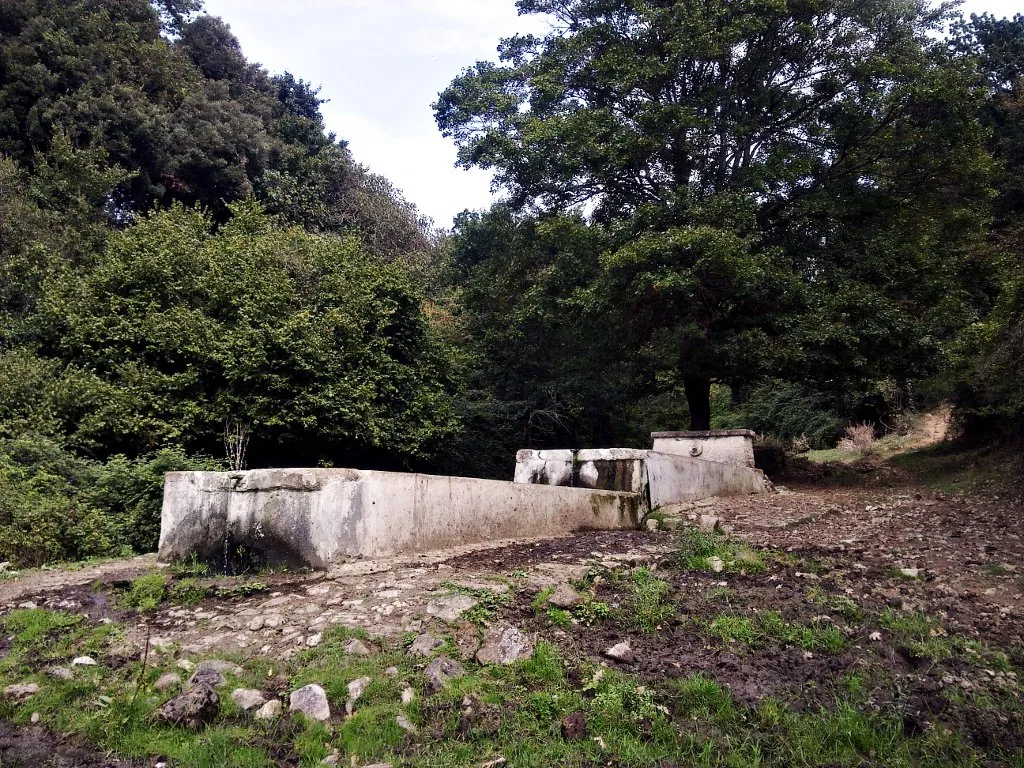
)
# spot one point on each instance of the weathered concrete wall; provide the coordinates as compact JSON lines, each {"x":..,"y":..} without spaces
{"x":729,"y":446}
{"x":609,"y":469}
{"x":315,"y":517}
{"x":673,"y":479}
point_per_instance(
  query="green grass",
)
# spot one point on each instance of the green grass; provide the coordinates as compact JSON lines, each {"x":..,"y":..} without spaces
{"x":695,"y":550}
{"x":489,"y":601}
{"x":517,"y":711}
{"x":145,"y":593}
{"x":649,"y":602}
{"x":769,"y":628}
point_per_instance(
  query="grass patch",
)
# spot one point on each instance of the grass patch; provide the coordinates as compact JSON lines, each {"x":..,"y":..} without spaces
{"x":145,"y":593}
{"x":769,"y":628}
{"x":649,"y":603}
{"x":696,"y":549}
{"x":489,"y":601}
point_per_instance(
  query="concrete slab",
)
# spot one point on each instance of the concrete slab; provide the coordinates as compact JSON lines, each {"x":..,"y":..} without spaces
{"x":729,"y":446}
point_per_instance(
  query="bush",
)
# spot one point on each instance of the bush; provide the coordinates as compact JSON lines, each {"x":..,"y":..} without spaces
{"x":859,"y":437}
{"x":56,"y":506}
{"x":787,"y":412}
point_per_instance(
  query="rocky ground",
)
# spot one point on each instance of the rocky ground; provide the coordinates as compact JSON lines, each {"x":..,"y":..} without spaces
{"x":874,"y":622}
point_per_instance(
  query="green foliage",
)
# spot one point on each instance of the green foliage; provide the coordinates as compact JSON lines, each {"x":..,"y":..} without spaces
{"x":303,"y":337}
{"x":146,"y":592}
{"x":57,"y":506}
{"x":810,"y":235}
{"x":695,"y":548}
{"x":785,"y":411}
{"x":649,"y":601}
{"x":764,"y":627}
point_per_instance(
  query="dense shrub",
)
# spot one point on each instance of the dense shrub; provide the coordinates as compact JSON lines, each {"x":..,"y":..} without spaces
{"x":180,"y":327}
{"x":786,"y":411}
{"x":57,"y":506}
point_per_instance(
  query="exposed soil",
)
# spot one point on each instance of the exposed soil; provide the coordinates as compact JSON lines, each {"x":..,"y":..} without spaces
{"x":36,"y":748}
{"x":882,"y":542}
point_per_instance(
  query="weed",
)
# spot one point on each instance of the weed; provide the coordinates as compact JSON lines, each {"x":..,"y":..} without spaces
{"x":648,"y":603}
{"x":192,"y":567}
{"x":697,"y":549}
{"x":559,"y":617}
{"x":591,"y":612}
{"x":768,"y":627}
{"x":145,"y":593}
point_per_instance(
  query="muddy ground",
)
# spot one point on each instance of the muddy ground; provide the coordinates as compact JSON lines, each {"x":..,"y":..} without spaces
{"x":921,"y":580}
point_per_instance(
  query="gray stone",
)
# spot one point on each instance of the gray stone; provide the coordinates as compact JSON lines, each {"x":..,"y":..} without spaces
{"x":450,"y":608}
{"x":167,"y":681}
{"x":620,"y":651}
{"x":248,"y":698}
{"x":717,"y":564}
{"x":269,"y":711}
{"x":356,"y":647}
{"x":59,"y":673}
{"x":212,"y":672}
{"x":186,"y":665}
{"x":425,"y":645}
{"x":504,"y":644}
{"x":653,"y":525}
{"x":405,"y":725}
{"x":467,"y":640}
{"x":565,"y":597}
{"x":20,"y":691}
{"x":911,"y":573}
{"x":84,"y":661}
{"x":710,"y":522}
{"x":440,"y":671}
{"x":314,"y":640}
{"x":196,"y":707}
{"x":408,"y":696}
{"x":673,"y":523}
{"x":256,"y":624}
{"x":355,"y":690}
{"x":311,"y":700}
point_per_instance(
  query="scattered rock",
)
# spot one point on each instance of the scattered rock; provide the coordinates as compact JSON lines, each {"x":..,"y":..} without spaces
{"x":186,"y":665}
{"x":256,"y":624}
{"x":248,"y":698}
{"x":574,"y":726}
{"x":504,"y":644}
{"x":378,"y":765}
{"x":717,"y":564}
{"x":391,"y":671}
{"x":59,"y":673}
{"x":710,"y":522}
{"x":425,"y":645}
{"x":311,"y":700}
{"x":467,"y":640}
{"x":269,"y":711}
{"x":212,"y":672}
{"x":314,"y":640}
{"x":450,"y":608}
{"x":653,"y":525}
{"x":84,"y":661}
{"x":331,"y":759}
{"x":355,"y":690}
{"x":875,"y":636}
{"x":20,"y":691}
{"x":911,"y":573}
{"x":672,"y":523}
{"x":405,"y":725}
{"x":167,"y":681}
{"x":35,"y":718}
{"x":408,"y":696}
{"x":620,"y":652}
{"x":197,"y":707}
{"x":356,"y":647}
{"x":565,"y":596}
{"x":440,"y":671}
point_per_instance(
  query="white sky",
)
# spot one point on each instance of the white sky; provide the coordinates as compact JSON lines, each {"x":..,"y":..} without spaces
{"x":383,"y":62}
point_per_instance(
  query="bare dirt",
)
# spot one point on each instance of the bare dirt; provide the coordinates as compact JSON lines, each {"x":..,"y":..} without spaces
{"x":821,"y":542}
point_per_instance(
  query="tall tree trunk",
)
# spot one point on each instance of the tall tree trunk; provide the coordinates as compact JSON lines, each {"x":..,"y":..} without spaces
{"x":698,"y":397}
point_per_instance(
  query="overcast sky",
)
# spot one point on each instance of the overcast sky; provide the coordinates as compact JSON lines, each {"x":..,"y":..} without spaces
{"x":382,"y":63}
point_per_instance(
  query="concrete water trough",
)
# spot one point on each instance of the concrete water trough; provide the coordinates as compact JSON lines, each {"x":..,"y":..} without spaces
{"x":316,"y":517}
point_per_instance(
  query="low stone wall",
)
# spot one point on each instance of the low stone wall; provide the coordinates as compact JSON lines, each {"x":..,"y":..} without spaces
{"x":663,"y":478}
{"x":673,"y":479}
{"x":315,"y":517}
{"x":727,"y":446}
{"x":609,"y":469}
